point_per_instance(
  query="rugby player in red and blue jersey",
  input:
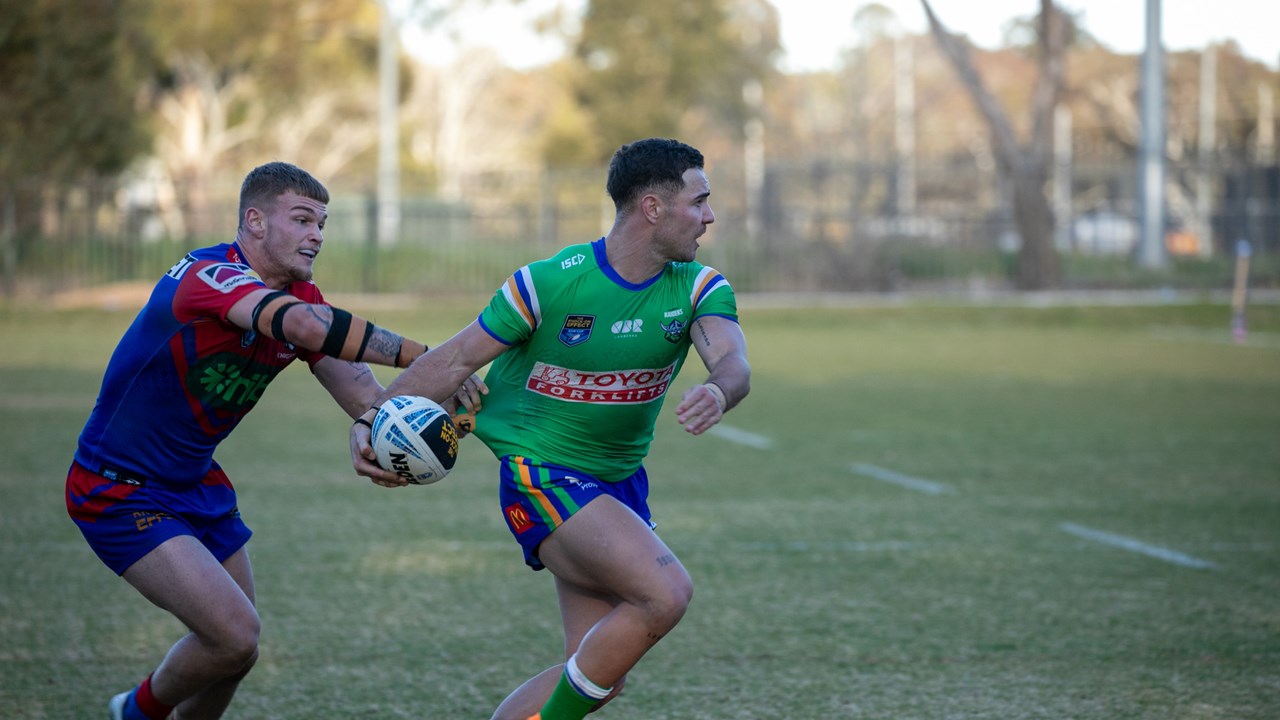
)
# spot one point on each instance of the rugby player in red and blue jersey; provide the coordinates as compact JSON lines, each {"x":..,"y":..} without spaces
{"x":144,"y":488}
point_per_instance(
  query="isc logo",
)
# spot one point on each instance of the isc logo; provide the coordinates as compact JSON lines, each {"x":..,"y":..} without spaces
{"x":623,"y":327}
{"x":571,"y":261}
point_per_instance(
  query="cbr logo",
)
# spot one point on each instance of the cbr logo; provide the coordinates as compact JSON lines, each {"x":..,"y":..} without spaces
{"x":626,"y":327}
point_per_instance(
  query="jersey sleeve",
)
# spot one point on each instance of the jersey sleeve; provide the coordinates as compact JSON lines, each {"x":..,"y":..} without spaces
{"x":209,"y":289}
{"x":514,"y":312}
{"x":712,"y":295}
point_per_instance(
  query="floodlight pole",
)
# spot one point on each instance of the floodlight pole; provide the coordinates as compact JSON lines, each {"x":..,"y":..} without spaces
{"x":1151,"y":253}
{"x":388,"y":202}
{"x":1208,"y":118}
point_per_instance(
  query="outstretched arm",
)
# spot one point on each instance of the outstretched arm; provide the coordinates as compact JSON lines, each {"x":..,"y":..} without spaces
{"x":351,"y":384}
{"x":437,"y":375}
{"x":321,"y":328}
{"x":723,"y":349}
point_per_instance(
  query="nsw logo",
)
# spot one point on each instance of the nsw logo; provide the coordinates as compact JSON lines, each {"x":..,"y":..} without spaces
{"x":576,"y":329}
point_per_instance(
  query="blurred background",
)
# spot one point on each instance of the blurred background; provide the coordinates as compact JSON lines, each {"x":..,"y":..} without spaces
{"x":877,"y":148}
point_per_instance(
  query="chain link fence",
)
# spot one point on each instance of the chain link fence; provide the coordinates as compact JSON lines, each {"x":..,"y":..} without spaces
{"x":808,"y":226}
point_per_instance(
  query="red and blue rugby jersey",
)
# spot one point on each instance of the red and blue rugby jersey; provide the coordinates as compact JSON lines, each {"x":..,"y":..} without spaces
{"x":183,"y":376}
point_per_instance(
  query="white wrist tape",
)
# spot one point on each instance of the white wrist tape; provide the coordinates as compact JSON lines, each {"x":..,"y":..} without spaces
{"x":718,"y":394}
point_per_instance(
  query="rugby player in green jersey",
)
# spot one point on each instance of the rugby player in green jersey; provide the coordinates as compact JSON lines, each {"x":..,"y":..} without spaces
{"x":585,"y":346}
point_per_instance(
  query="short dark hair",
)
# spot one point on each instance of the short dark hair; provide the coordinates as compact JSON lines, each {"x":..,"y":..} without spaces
{"x":646,"y":164}
{"x":267,"y":182}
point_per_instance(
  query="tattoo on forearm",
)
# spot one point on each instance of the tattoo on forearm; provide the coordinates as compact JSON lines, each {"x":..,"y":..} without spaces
{"x":360,"y":370}
{"x":666,"y":560}
{"x":384,"y":342}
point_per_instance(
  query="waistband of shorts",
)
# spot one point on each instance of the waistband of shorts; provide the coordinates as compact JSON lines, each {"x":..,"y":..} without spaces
{"x":120,"y":475}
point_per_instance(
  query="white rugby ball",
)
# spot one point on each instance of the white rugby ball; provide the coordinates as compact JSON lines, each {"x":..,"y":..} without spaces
{"x":415,"y":438}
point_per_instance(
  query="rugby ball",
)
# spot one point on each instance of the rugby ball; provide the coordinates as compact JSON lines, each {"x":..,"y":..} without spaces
{"x":414,"y":438}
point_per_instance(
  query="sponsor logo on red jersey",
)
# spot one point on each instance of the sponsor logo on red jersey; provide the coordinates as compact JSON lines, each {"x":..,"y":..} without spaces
{"x":613,"y":387}
{"x":225,"y":277}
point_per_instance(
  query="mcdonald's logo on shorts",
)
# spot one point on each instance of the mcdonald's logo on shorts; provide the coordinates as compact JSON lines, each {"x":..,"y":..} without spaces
{"x":517,"y":518}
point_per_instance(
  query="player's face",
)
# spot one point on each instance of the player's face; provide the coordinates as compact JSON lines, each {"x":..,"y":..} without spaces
{"x":686,"y":217}
{"x":294,"y":234}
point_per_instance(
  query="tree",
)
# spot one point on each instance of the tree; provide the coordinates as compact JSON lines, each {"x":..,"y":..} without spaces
{"x":229,"y":87}
{"x":1026,"y":167}
{"x":70,"y":71}
{"x":649,"y":65}
{"x":69,"y":75}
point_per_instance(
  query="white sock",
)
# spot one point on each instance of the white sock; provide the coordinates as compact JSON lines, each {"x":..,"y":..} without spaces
{"x":581,"y":683}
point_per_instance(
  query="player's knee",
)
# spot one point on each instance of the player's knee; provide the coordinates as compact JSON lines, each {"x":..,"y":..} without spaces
{"x":248,"y":664}
{"x":241,"y":655}
{"x":669,"y":603}
{"x":236,"y":649}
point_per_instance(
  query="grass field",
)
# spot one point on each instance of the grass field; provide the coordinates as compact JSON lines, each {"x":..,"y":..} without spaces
{"x":920,"y":512}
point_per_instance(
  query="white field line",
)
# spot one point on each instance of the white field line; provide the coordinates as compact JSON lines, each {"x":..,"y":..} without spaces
{"x":911,"y":483}
{"x":742,"y":437}
{"x":1137,"y":546}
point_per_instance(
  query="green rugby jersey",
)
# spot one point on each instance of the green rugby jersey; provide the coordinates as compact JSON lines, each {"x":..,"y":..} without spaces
{"x":591,"y":359}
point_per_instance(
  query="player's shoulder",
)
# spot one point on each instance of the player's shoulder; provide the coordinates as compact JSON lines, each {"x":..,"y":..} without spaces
{"x":219,"y":266}
{"x":206,"y":282}
{"x":570,"y":260}
{"x":705,"y":287}
{"x":694,"y":273}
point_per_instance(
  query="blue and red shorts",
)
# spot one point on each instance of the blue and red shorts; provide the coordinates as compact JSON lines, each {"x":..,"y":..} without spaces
{"x":537,"y":498}
{"x":123,"y":518}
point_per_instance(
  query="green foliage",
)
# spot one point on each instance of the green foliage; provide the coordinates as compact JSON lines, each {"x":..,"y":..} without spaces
{"x":291,"y":46}
{"x":70,"y":75}
{"x":647,"y":65}
{"x":820,"y":592}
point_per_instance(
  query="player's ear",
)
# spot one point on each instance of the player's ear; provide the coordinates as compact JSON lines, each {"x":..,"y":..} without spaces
{"x":255,"y":221}
{"x":651,"y":206}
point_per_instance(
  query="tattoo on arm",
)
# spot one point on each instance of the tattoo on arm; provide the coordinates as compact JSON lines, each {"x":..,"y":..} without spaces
{"x":705,"y":339}
{"x":359,"y":369}
{"x":327,"y":322}
{"x":666,"y":560}
{"x":384,"y":342}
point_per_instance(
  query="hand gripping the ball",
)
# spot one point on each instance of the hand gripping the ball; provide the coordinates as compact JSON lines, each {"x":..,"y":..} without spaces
{"x":364,"y":460}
